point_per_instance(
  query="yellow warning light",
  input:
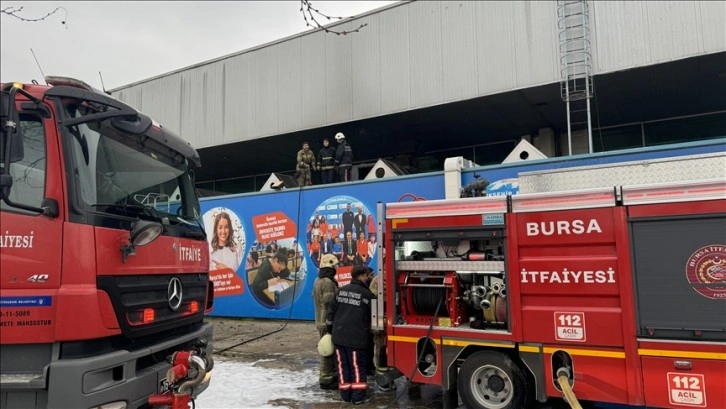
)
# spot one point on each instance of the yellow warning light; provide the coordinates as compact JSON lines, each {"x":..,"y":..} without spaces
{"x":17,"y":85}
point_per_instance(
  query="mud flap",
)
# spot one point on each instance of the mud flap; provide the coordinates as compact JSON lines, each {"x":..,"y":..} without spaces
{"x":533,"y":358}
{"x":387,"y":377}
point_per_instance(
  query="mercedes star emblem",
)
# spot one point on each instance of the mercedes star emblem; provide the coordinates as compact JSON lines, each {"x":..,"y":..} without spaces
{"x":174,"y":293}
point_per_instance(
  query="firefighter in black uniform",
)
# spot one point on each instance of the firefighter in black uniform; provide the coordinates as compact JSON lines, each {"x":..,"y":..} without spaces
{"x":349,"y":320}
{"x":343,"y":158}
{"x":326,"y":162}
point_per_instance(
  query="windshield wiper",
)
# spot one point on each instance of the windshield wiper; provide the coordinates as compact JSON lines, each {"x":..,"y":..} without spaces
{"x":124,"y":206}
{"x":187,"y":231}
{"x":201,"y":228}
{"x":188,"y":228}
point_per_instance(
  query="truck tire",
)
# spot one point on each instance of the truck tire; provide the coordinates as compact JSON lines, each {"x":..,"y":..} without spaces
{"x":492,"y":380}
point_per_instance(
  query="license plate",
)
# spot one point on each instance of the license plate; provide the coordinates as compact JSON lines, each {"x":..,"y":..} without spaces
{"x":164,"y":386}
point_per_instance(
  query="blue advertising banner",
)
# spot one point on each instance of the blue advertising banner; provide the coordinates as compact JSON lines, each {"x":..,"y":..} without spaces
{"x":265,"y":248}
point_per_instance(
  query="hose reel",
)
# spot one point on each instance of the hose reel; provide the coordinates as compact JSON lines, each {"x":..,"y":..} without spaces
{"x":421,"y":293}
{"x":424,"y":300}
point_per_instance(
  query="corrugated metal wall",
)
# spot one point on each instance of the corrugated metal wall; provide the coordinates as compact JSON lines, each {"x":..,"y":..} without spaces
{"x":410,"y":56}
{"x":628,"y":34}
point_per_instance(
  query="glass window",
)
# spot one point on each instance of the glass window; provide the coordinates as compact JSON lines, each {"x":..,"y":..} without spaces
{"x":492,"y":153}
{"x":129,"y":175}
{"x":232,"y":186}
{"x":29,"y":173}
{"x":260,"y":181}
{"x":686,"y":129}
{"x":205,"y":189}
{"x":621,"y":137}
{"x":434,"y":161}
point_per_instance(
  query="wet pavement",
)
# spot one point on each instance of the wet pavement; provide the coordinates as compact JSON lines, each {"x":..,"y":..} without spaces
{"x":265,"y":363}
{"x":265,"y":384}
{"x":270,"y":364}
{"x":262,"y":384}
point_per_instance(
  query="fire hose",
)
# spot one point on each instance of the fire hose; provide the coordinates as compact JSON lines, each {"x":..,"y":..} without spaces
{"x":563,"y":379}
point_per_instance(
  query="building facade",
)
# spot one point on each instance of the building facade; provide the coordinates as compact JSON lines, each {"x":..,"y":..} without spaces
{"x":425,"y":80}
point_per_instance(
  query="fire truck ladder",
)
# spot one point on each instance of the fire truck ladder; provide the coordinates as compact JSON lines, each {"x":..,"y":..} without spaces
{"x":575,"y":65}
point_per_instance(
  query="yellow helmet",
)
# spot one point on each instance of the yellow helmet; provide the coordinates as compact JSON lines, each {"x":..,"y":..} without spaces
{"x":325,"y":345}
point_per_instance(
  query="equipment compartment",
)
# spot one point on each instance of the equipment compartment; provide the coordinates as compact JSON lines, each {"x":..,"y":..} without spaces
{"x":679,"y":267}
{"x":460,"y":282}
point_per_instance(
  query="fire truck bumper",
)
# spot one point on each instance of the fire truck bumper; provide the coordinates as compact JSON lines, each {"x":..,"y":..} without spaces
{"x":121,"y":376}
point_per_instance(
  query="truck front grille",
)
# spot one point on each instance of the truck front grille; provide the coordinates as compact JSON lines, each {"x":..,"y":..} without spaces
{"x":143,"y":306}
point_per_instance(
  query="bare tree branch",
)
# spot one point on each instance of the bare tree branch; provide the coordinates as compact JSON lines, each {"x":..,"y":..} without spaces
{"x":15,"y":12}
{"x":309,"y":12}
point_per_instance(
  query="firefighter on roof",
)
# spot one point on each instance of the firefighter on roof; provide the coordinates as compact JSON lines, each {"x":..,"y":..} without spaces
{"x":326,"y":162}
{"x":305,"y":165}
{"x":343,"y":158}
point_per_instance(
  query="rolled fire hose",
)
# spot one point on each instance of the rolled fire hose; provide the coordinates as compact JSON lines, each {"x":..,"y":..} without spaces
{"x":563,"y":378}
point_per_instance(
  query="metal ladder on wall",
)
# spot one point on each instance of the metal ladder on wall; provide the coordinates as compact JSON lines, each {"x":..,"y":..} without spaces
{"x":575,"y":65}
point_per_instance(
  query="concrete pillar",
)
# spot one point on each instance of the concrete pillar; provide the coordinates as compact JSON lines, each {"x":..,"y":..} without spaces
{"x":545,"y":141}
{"x":579,"y":142}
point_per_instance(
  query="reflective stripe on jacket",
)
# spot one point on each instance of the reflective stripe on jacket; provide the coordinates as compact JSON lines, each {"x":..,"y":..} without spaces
{"x":326,"y":158}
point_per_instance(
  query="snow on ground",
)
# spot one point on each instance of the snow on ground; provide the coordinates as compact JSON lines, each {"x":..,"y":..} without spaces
{"x":245,"y":385}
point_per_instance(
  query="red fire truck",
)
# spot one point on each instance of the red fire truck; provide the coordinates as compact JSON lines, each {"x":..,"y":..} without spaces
{"x":103,"y":263}
{"x":588,"y":284}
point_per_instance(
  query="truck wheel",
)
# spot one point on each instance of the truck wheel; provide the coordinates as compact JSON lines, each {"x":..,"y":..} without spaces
{"x":491,"y":380}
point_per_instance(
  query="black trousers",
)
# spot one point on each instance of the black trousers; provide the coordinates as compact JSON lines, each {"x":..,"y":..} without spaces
{"x":352,"y":372}
{"x":344,"y":174}
{"x":327,"y":176}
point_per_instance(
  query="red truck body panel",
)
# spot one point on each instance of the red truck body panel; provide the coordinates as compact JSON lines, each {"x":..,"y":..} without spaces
{"x":66,"y":288}
{"x":571,"y":269}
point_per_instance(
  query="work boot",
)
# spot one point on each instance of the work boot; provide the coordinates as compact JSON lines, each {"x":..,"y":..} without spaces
{"x":331,"y":386}
{"x":360,"y":402}
{"x":385,"y":386}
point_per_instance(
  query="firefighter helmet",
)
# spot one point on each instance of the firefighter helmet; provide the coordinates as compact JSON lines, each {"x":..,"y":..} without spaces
{"x":339,"y":136}
{"x":325,"y":345}
{"x":329,"y":260}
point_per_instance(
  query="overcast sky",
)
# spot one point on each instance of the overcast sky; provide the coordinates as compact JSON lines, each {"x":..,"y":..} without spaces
{"x":131,"y":41}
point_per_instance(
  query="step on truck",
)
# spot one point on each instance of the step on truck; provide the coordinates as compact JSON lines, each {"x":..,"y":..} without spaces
{"x":602,"y":283}
{"x":104,"y":265}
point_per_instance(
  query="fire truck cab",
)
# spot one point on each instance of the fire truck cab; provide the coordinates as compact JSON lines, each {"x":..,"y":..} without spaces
{"x":103,"y":261}
{"x":588,"y":284}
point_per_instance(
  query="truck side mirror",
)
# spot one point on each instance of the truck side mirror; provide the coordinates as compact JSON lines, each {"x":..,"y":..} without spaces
{"x":11,"y":141}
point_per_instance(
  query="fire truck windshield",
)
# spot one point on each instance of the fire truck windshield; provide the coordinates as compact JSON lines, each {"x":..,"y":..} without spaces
{"x":129,"y":175}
